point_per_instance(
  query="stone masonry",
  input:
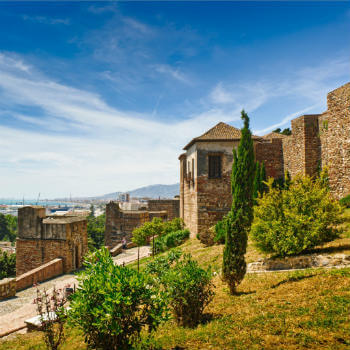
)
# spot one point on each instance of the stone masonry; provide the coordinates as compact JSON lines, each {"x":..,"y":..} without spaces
{"x":120,"y":223}
{"x":43,"y":238}
{"x":317,"y":140}
{"x":171,"y":206}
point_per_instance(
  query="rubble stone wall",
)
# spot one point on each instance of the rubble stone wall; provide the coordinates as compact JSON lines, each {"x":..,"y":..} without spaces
{"x":171,"y":206}
{"x":335,"y":140}
{"x":49,"y":270}
{"x":271,"y":154}
{"x":7,"y":288}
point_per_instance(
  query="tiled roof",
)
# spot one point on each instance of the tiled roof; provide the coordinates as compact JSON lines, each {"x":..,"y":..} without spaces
{"x":220,"y":132}
{"x":274,"y":135}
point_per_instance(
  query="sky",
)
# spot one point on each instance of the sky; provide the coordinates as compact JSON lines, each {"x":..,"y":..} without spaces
{"x":98,"y":97}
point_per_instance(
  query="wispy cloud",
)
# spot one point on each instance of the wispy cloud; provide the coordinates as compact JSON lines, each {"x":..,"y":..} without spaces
{"x":172,"y":72}
{"x":46,"y":20}
{"x":80,"y":142}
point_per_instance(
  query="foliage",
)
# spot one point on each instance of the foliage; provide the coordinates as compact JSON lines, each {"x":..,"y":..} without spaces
{"x":7,"y":265}
{"x":170,"y":240}
{"x":8,"y":227}
{"x":113,"y":304}
{"x":96,"y":231}
{"x":345,"y":202}
{"x":220,"y":231}
{"x":188,"y":286}
{"x":285,"y":131}
{"x":240,"y":217}
{"x":50,"y":309}
{"x":259,"y":180}
{"x":291,"y":220}
{"x":174,"y":225}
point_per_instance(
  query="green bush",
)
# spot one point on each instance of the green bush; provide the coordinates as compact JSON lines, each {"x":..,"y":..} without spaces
{"x":7,"y":265}
{"x":345,"y":202}
{"x":170,"y":240}
{"x":188,"y":286}
{"x":220,"y":231}
{"x":291,"y":220}
{"x":113,"y":304}
{"x":177,"y":224}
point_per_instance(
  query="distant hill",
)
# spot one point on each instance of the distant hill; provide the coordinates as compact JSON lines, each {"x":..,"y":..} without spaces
{"x":152,"y":191}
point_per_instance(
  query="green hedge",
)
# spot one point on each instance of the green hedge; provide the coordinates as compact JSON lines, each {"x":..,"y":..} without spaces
{"x":170,"y":240}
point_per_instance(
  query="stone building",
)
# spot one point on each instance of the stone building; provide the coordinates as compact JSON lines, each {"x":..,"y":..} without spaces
{"x":120,"y":223}
{"x":43,"y":238}
{"x":171,"y":206}
{"x":316,"y":141}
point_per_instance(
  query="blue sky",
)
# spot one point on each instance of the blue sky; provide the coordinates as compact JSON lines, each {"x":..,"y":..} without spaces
{"x":97,"y":97}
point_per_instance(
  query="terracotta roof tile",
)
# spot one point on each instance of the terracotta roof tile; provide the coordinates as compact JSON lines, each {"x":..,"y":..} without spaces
{"x":274,"y":135}
{"x":220,"y":132}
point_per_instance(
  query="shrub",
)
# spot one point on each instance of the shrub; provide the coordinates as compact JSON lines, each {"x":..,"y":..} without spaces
{"x":177,"y":224}
{"x":188,"y":286}
{"x":7,"y":265}
{"x":220,"y":231}
{"x":345,"y":202}
{"x":113,"y":304}
{"x":291,"y":220}
{"x":50,"y":308}
{"x":172,"y":239}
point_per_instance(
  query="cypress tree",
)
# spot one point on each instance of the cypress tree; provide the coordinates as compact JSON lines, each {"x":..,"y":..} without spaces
{"x":263,"y":179}
{"x":257,"y":181}
{"x":240,"y":217}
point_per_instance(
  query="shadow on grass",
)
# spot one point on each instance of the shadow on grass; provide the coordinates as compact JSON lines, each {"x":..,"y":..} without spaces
{"x":292,"y":279}
{"x":238,"y":294}
{"x":335,"y":249}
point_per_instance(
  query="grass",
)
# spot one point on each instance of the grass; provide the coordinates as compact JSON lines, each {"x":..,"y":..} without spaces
{"x":308,"y":309}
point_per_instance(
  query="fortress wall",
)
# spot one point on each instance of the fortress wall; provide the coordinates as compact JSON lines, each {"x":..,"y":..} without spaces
{"x":335,"y":140}
{"x":171,"y":206}
{"x":301,"y":150}
{"x":271,"y":154}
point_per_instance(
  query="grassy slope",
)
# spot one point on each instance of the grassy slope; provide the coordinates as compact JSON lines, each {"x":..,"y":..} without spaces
{"x":307,"y":309}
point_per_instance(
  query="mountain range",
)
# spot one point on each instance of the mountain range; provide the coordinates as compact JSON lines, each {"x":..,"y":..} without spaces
{"x":152,"y":191}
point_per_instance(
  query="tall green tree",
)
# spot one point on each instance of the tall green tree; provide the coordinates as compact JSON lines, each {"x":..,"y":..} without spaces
{"x":4,"y":229}
{"x":240,"y":217}
{"x":96,"y":231}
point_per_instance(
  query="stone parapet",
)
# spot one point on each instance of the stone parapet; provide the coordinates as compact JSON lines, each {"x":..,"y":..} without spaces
{"x":7,"y":288}
{"x":51,"y":269}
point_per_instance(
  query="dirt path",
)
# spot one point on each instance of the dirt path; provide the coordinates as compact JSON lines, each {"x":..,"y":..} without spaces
{"x":14,"y":311}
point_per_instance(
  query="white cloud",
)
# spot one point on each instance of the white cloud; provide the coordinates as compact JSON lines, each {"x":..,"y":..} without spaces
{"x":94,"y":149}
{"x":84,"y":146}
{"x":46,"y":20}
{"x":170,"y":71}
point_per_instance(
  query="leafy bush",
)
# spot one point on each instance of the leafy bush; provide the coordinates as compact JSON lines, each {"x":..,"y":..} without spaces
{"x":220,"y":231}
{"x":7,"y":265}
{"x":188,"y":286}
{"x":113,"y":304}
{"x":291,"y":220}
{"x":96,"y":230}
{"x":172,"y":239}
{"x":176,"y":224}
{"x":8,"y":227}
{"x":51,"y":311}
{"x":345,"y":202}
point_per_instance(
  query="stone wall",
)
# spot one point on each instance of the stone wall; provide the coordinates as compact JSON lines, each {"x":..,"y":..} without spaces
{"x":335,"y":140}
{"x":121,"y":223}
{"x":270,"y":153}
{"x":49,"y":270}
{"x":171,"y":206}
{"x":7,"y":288}
{"x":56,"y":237}
{"x":302,"y":150}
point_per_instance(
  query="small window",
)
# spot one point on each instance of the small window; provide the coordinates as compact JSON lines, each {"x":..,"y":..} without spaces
{"x":192,"y":169}
{"x":214,"y":167}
